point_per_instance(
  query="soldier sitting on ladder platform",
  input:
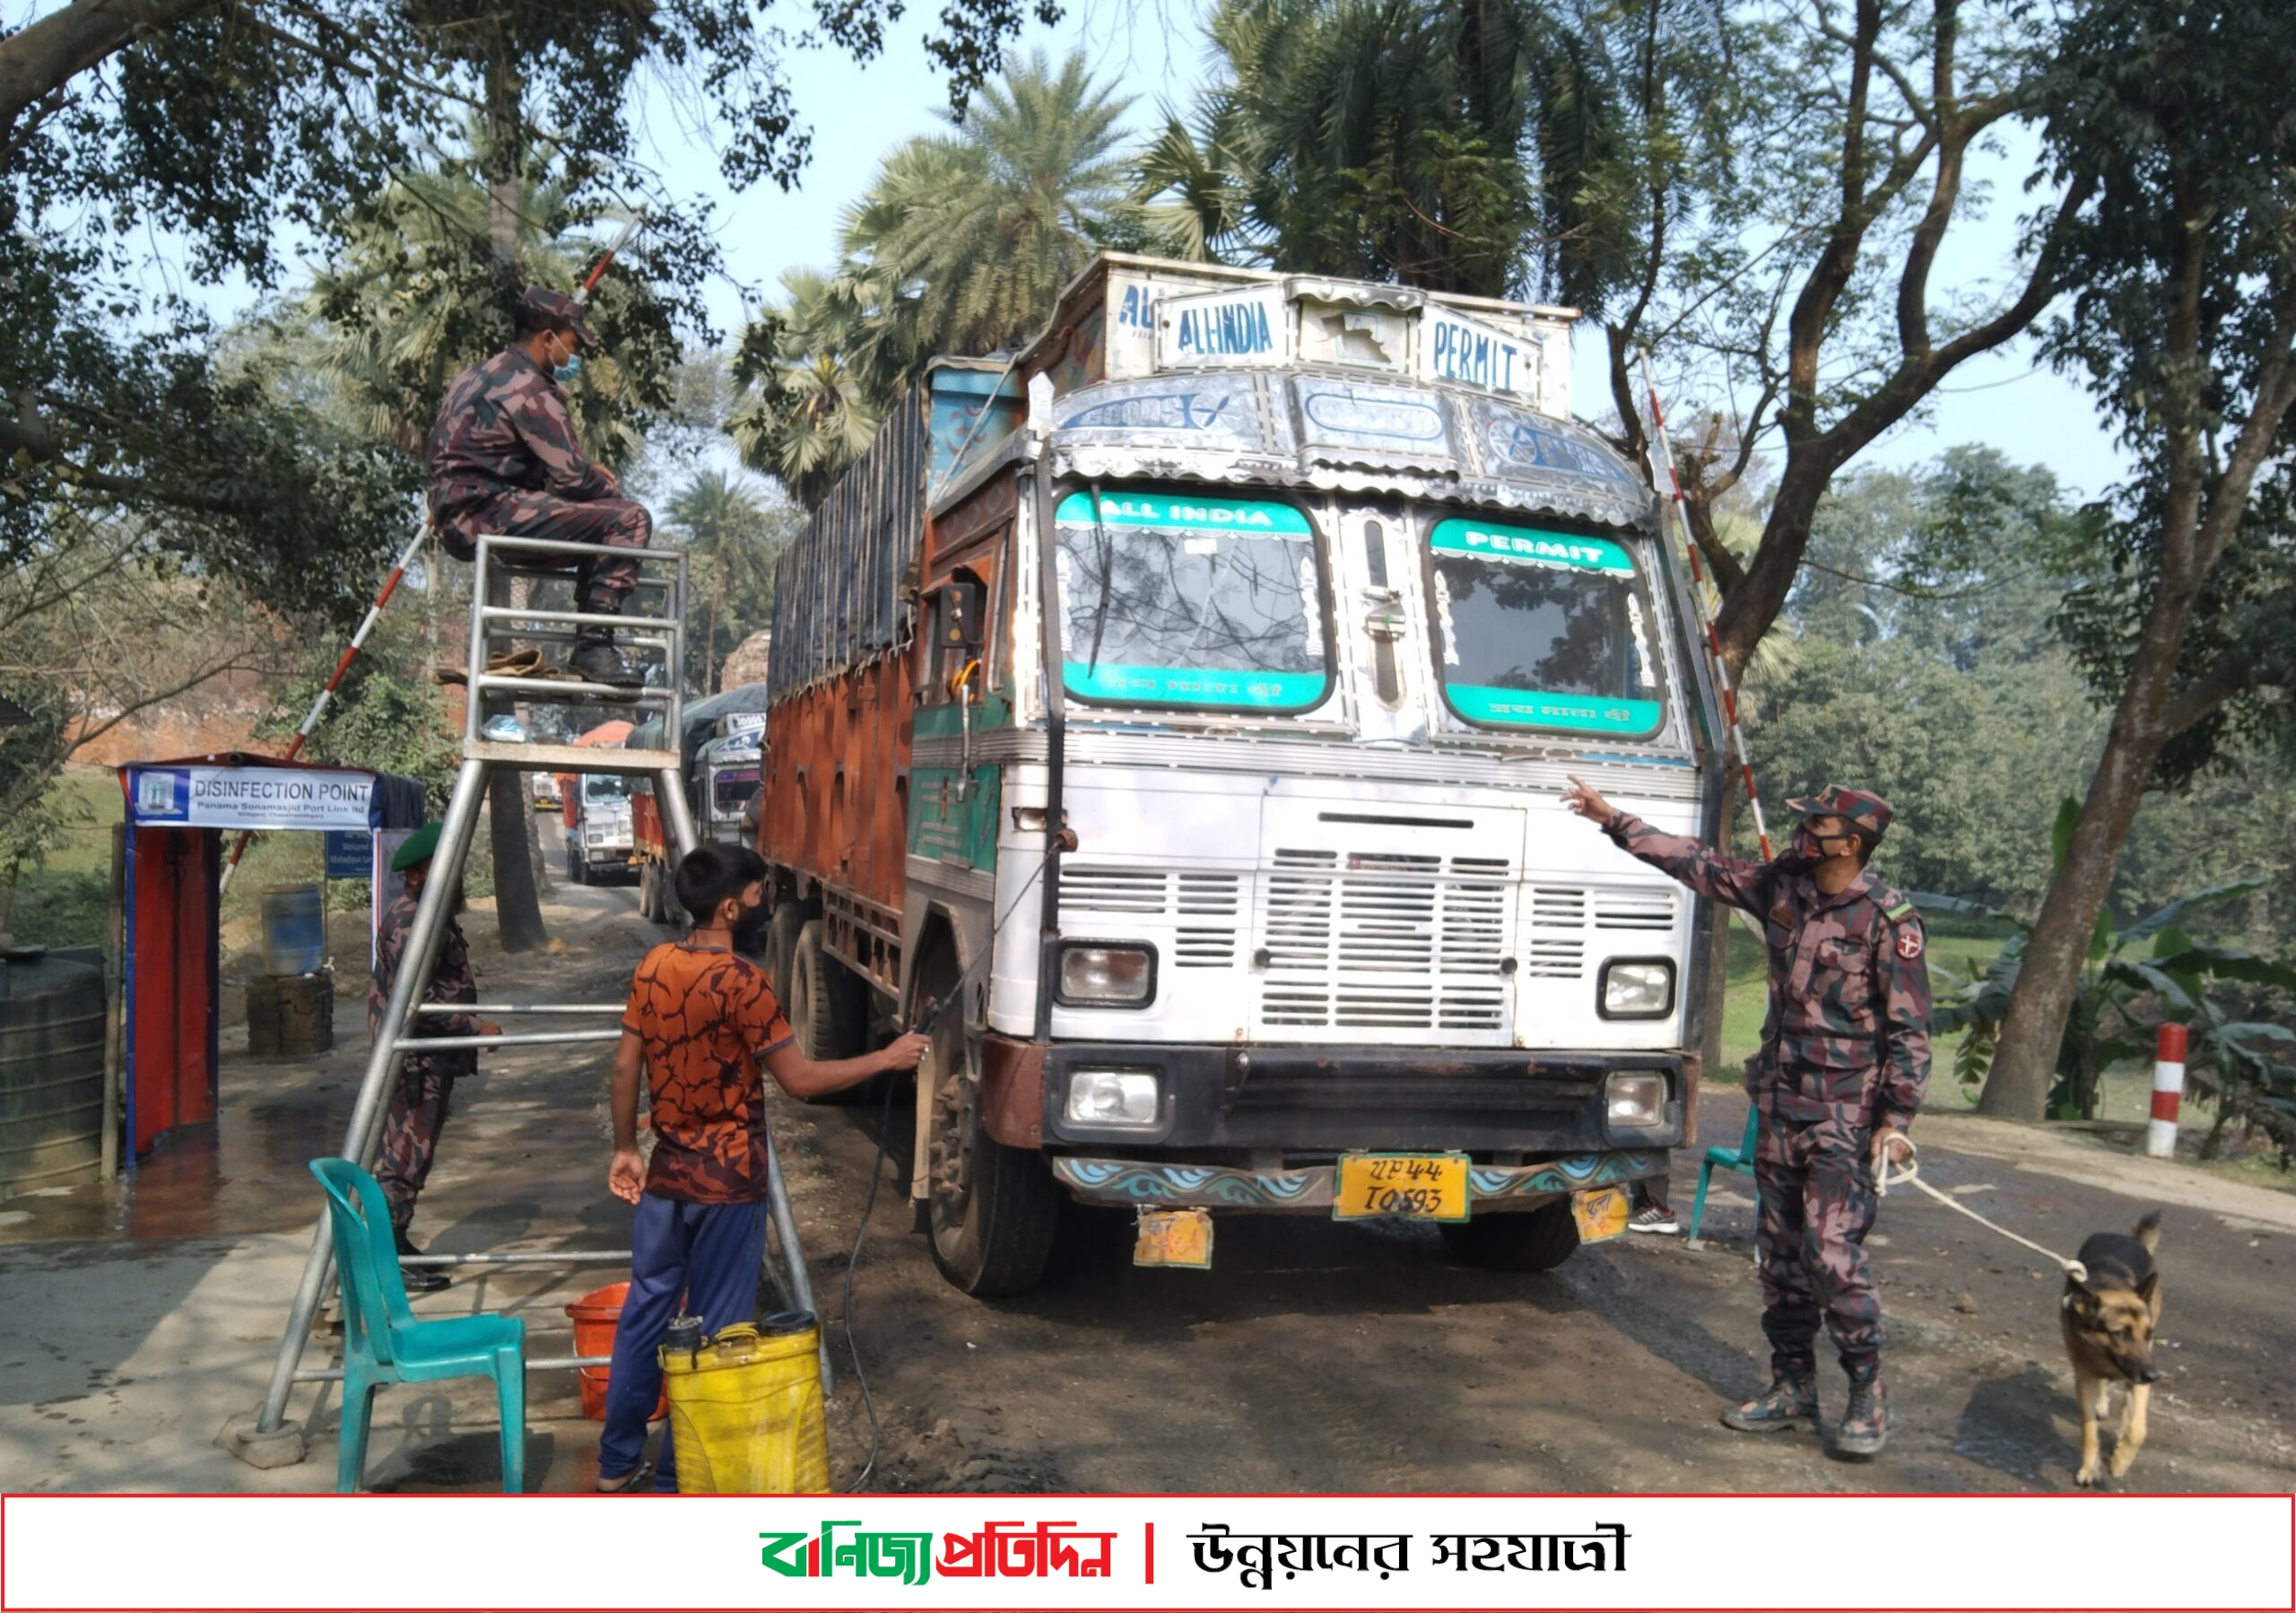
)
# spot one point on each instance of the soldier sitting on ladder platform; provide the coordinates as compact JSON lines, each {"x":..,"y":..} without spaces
{"x":426,"y":1081}
{"x":503,"y":460}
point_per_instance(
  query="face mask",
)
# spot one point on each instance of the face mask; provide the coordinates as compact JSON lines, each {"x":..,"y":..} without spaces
{"x":749,"y":927}
{"x":1802,"y":851}
{"x":567,"y":371}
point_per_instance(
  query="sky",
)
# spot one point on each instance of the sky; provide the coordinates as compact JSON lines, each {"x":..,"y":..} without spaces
{"x":1152,"y":49}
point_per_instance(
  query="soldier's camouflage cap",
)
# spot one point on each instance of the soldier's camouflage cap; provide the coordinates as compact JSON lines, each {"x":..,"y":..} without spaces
{"x":1861,"y":808}
{"x":542,"y":308}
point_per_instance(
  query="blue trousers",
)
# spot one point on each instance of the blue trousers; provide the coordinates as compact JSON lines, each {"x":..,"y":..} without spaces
{"x":709,"y":1255}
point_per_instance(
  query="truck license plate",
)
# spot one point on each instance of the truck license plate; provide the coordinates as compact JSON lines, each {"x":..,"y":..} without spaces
{"x":1600,"y":1214}
{"x":1411,"y":1187}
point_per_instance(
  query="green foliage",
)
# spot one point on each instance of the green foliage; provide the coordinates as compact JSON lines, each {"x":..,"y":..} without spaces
{"x":1462,"y":148}
{"x":388,"y":715}
{"x":812,"y":408}
{"x":416,"y":293}
{"x":2131,"y":980}
{"x":232,"y":132}
{"x":1918,"y":661}
{"x":736,"y":540}
{"x":961,"y":244}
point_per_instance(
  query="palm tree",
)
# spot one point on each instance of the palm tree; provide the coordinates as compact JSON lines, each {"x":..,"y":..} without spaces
{"x":735,"y":541}
{"x":813,"y":409}
{"x":1444,"y":144}
{"x":974,"y":232}
{"x":962,"y":244}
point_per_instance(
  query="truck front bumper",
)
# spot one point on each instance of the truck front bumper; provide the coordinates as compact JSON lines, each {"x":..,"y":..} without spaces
{"x":1508,"y":1106}
{"x":1492,"y":1189}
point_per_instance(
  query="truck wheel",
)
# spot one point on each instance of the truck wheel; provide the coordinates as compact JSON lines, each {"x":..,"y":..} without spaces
{"x":828,"y":1014}
{"x":993,"y":1211}
{"x":781,"y":949}
{"x":578,"y":872}
{"x":653,"y":894}
{"x":1537,"y":1240}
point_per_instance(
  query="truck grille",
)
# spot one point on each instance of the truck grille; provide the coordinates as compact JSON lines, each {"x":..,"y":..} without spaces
{"x":1563,"y":917}
{"x":1384,"y":940}
{"x":1205,"y":907}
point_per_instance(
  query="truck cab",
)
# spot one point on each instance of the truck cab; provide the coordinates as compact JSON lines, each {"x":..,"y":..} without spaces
{"x":598,"y":844}
{"x":1207,"y":775}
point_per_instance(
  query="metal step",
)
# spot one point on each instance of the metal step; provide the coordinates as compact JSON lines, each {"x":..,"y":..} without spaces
{"x":570,"y":758}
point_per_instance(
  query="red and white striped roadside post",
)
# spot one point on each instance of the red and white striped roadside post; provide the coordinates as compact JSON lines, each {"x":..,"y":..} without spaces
{"x":2168,"y":1091}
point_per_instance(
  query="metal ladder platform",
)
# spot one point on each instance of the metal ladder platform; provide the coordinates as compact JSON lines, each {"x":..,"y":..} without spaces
{"x":658,"y":630}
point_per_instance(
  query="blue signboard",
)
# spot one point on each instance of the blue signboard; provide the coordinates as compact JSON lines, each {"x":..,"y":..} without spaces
{"x":350,"y":854}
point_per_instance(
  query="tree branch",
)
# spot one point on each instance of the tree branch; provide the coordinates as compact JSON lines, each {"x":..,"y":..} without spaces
{"x":41,"y":59}
{"x":2234,"y":674}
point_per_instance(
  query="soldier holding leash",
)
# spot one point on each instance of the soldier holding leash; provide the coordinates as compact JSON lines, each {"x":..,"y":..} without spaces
{"x":1844,"y":1062}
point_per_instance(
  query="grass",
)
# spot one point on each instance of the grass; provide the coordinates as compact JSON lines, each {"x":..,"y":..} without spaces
{"x":2127,"y":1096}
{"x":1746,"y":998}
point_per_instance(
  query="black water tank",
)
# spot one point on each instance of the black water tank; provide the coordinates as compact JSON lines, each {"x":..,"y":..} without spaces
{"x":51,"y":1072}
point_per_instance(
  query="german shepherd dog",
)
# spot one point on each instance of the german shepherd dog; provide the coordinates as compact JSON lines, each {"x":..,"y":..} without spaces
{"x":2109,"y":1320}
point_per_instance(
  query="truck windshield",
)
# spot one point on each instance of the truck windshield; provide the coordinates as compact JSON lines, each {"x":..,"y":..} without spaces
{"x":1542,"y":630}
{"x":1178,"y":599}
{"x":605,"y":787}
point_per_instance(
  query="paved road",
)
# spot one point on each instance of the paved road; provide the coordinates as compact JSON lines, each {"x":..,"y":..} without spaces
{"x":1312,"y":1356}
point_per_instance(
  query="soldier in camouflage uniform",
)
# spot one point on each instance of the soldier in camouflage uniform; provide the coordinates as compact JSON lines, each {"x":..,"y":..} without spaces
{"x":503,"y":458}
{"x":426,"y":1082}
{"x":1844,"y":1062}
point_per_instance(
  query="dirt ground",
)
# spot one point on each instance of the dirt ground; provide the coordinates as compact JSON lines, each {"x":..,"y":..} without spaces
{"x":1312,"y":1356}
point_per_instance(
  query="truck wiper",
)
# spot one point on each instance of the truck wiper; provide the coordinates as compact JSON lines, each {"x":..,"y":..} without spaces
{"x":1107,"y":578}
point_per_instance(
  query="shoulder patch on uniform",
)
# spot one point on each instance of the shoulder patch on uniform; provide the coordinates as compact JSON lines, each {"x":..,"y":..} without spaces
{"x":1902,"y":911}
{"x":1909,"y":942}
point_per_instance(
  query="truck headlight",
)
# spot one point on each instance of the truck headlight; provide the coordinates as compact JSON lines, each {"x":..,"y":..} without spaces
{"x":1126,"y":1098}
{"x":1636,"y":988}
{"x":1635,"y":1097}
{"x":1098,"y":974}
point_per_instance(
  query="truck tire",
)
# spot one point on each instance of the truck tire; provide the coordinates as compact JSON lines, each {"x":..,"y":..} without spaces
{"x":578,"y":871}
{"x":1537,"y":1240}
{"x":654,"y":898}
{"x":782,"y":948}
{"x":826,"y":1005}
{"x":992,"y":1212}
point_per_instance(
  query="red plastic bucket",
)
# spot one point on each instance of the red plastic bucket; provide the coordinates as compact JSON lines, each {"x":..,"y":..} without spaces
{"x":595,"y":1316}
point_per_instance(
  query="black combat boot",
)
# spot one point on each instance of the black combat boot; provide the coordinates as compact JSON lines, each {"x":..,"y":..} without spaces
{"x":597,"y":661}
{"x":1865,"y":1425}
{"x":1791,"y":1402}
{"x":418,"y":1279}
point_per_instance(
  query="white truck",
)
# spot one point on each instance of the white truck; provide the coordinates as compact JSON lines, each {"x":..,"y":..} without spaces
{"x":1264,"y":901}
{"x":598,"y":843}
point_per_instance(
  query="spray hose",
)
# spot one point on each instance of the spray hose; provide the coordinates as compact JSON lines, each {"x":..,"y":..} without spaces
{"x":1063,"y":839}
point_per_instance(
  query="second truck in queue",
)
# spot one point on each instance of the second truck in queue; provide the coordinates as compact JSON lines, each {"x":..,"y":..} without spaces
{"x":1185,"y":707}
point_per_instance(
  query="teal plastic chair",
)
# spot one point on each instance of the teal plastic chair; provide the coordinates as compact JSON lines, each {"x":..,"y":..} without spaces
{"x":382,"y":1343}
{"x":1740,"y":1158}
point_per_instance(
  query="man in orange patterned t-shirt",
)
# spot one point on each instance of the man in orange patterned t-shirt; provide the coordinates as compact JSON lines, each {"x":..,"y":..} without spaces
{"x":701,"y":1020}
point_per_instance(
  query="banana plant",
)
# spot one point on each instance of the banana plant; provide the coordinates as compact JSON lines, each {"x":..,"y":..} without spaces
{"x":2135,"y":978}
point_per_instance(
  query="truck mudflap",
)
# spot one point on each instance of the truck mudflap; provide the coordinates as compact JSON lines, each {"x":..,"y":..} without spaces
{"x":1494,"y":1188}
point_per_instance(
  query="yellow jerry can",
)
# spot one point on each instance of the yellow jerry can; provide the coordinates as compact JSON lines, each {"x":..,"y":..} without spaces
{"x":745,"y":1409}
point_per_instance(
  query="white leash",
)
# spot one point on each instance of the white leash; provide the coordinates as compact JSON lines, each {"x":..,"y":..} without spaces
{"x":1910,"y":1172}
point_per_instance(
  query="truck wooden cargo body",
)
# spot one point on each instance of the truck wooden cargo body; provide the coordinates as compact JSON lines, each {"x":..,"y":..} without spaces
{"x":1268,"y":882}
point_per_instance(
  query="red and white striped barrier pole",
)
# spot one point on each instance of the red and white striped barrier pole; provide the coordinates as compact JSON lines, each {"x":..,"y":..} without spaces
{"x":318,"y":706}
{"x":2168,"y":1091}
